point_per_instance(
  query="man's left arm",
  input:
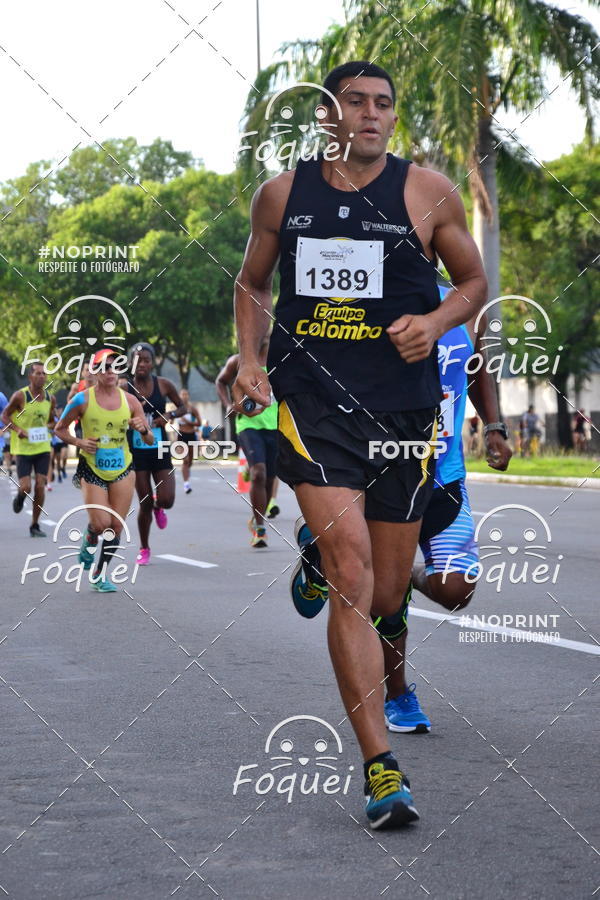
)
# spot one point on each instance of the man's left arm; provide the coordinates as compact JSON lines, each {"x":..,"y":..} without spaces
{"x":483,"y":396}
{"x":414,"y":336}
{"x":172,"y":394}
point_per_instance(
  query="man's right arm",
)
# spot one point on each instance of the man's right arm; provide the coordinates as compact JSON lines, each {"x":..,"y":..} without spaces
{"x":225,"y":379}
{"x":253,"y":288}
{"x":15,"y":404}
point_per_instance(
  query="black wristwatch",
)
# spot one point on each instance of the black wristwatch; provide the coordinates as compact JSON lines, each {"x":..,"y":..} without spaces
{"x":496,"y":426}
{"x":145,"y":431}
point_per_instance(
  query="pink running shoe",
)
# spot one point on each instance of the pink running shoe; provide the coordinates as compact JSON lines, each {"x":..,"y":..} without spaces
{"x":143,"y":557}
{"x":160,"y":517}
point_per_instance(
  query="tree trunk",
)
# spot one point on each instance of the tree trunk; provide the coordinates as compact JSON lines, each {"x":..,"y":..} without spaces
{"x":563,"y":411}
{"x":486,"y":228}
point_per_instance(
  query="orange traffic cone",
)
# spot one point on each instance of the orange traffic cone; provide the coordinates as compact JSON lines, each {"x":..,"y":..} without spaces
{"x":243,"y":477}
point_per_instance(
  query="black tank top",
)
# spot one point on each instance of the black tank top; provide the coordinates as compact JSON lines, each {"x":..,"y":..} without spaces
{"x":345,"y":354}
{"x":152,"y":406}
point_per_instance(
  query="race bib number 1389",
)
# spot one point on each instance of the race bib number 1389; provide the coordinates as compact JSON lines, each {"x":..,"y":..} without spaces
{"x":339,"y":268}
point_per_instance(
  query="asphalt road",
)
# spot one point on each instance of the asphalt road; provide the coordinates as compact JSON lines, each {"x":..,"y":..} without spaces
{"x":126,"y":718}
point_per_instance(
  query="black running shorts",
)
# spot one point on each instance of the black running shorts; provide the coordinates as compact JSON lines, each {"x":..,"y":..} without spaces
{"x":149,"y":461}
{"x":260,"y":446}
{"x":324,"y":445}
{"x":39,"y":462}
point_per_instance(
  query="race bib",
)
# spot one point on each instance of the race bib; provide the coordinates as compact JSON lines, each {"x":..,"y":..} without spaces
{"x":446,"y":416}
{"x":37,"y":435}
{"x":339,"y":268}
{"x":138,"y":441}
{"x":109,"y":458}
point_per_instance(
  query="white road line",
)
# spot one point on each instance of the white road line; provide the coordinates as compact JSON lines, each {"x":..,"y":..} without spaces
{"x":44,"y":521}
{"x":580,"y":646}
{"x":188,"y":562}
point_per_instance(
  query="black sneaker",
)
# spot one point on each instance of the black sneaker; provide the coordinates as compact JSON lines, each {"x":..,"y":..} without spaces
{"x":36,"y":531}
{"x":19,"y":501}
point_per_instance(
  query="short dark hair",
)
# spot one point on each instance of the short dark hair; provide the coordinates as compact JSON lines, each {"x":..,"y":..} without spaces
{"x":33,"y":365}
{"x":354,"y":69}
{"x":140,"y":347}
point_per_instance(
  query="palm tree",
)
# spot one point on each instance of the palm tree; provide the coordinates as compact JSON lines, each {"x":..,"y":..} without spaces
{"x":456,"y":66}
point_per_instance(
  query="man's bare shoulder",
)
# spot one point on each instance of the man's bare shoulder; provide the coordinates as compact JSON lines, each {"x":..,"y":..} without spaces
{"x":269,"y":201}
{"x":434,"y":185}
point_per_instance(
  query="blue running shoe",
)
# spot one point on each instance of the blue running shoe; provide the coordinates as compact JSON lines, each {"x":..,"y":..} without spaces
{"x":104,"y":586}
{"x":389,"y":801}
{"x":404,"y":713}
{"x":307,"y":585}
{"x":85,"y":557}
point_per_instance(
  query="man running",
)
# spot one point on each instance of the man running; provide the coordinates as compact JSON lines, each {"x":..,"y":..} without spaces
{"x":258,"y":439}
{"x":149,"y":464}
{"x":186,"y":432}
{"x":104,"y":470}
{"x":29,"y":415}
{"x":447,"y":537}
{"x":352,"y":360}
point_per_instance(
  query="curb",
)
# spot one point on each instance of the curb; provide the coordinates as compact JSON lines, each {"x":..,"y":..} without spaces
{"x":498,"y":478}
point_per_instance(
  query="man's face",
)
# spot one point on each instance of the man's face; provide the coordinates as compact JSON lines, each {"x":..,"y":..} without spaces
{"x":38,"y":377}
{"x":142,"y":363}
{"x":367,"y":114}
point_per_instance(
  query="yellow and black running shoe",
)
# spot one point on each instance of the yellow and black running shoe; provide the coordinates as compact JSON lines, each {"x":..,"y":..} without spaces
{"x":389,"y":801}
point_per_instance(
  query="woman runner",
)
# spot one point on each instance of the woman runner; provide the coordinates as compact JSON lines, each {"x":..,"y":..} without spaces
{"x":104,"y":471}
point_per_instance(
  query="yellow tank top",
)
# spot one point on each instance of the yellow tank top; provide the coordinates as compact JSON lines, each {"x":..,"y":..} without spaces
{"x":113,"y":455}
{"x":34,"y":420}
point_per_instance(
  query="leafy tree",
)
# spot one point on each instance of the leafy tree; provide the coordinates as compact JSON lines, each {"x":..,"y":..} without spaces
{"x":456,"y":66}
{"x":551,"y":255}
